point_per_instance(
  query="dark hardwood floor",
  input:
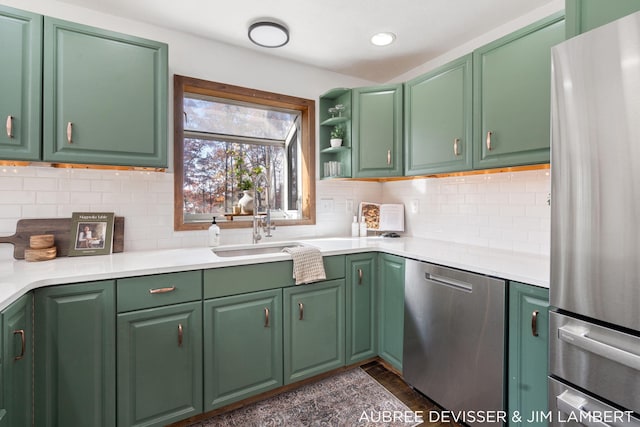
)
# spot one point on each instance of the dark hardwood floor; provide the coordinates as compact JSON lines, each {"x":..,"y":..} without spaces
{"x":413,"y":399}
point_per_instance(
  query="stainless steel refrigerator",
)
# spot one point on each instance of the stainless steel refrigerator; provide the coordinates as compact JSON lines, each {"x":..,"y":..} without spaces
{"x":595,"y":228}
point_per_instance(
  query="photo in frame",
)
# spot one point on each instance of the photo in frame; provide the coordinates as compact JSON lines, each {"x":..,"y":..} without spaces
{"x":91,"y":233}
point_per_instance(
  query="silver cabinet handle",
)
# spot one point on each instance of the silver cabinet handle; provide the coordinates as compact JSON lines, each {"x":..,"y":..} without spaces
{"x":301,"y":310}
{"x":22,"y":343}
{"x":359,"y":276}
{"x":180,"y":334}
{"x":456,"y":150}
{"x":388,"y":157}
{"x":579,"y":338}
{"x":10,"y":126}
{"x":489,"y":133}
{"x":70,"y":132}
{"x":568,"y":403}
{"x":266,"y":317}
{"x":162,"y":290}
{"x":534,"y":323}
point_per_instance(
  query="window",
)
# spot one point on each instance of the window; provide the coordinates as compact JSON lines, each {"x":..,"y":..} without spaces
{"x":221,"y":131}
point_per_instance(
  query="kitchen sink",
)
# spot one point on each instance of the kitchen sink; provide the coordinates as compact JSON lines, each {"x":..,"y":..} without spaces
{"x":254,"y":249}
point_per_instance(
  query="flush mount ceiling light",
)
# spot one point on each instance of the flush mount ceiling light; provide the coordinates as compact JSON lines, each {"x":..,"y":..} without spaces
{"x":383,"y":39}
{"x":268,"y":34}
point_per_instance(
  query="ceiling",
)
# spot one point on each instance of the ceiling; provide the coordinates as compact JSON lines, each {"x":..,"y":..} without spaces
{"x":334,"y":34}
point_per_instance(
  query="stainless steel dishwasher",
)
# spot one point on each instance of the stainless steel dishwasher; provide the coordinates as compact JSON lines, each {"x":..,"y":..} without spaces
{"x":454,"y":338}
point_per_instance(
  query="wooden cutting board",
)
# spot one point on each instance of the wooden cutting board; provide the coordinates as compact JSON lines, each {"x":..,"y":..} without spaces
{"x":61,"y":229}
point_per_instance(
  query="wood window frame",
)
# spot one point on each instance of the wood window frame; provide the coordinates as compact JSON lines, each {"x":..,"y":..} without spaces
{"x":306,"y":107}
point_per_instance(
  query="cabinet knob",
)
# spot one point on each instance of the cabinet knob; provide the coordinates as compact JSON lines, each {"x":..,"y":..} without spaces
{"x":456,"y":149}
{"x":489,"y":133}
{"x":534,"y":323}
{"x":22,"y":343}
{"x":10,"y":126}
{"x":70,"y":133}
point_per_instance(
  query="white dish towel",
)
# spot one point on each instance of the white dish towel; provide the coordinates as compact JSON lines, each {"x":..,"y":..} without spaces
{"x":307,"y":264}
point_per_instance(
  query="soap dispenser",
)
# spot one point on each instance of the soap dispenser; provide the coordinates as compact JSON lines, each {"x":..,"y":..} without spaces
{"x":355,"y":227}
{"x":363,"y":227}
{"x":214,"y":233}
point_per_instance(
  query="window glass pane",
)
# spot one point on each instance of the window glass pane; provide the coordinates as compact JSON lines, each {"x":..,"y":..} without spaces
{"x":211,"y":116}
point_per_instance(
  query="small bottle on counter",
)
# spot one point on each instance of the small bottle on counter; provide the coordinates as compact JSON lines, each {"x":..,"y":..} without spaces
{"x":214,"y":233}
{"x":363,"y":227}
{"x":355,"y":227}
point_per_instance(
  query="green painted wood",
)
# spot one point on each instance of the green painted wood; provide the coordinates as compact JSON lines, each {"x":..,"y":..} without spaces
{"x":528,"y":354}
{"x":159,"y":377}
{"x":391,"y":309}
{"x":361,"y":330}
{"x":21,"y":83}
{"x":17,"y":365}
{"x":330,"y":99}
{"x":438,"y":119}
{"x":242,"y":351}
{"x":512,"y":89}
{"x":377,"y":131}
{"x":315,"y":343}
{"x":112,"y":88}
{"x":585,"y":15}
{"x":75,"y":369}
{"x":219,"y":282}
{"x":134,"y":293}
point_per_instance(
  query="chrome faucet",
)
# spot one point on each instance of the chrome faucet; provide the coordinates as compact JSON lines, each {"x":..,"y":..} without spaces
{"x":261,"y":221}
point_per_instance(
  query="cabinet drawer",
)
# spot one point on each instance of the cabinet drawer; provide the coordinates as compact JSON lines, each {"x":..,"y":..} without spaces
{"x":161,"y":289}
{"x":219,"y":282}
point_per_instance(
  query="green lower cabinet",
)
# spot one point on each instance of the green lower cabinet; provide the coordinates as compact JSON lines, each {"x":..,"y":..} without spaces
{"x":361,"y":307}
{"x":242,"y":346}
{"x":160,"y":365}
{"x":585,"y":15}
{"x":17,"y":362}
{"x":314,"y":329}
{"x":391,"y":309}
{"x":528,"y":349}
{"x":75,"y":359}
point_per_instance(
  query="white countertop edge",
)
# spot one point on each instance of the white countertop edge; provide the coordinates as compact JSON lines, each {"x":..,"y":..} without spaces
{"x":17,"y":277}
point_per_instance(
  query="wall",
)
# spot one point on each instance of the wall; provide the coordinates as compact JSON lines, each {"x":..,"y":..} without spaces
{"x":146,"y":199}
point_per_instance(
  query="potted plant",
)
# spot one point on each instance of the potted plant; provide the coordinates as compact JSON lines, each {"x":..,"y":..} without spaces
{"x":245,"y":176}
{"x":337,"y":134}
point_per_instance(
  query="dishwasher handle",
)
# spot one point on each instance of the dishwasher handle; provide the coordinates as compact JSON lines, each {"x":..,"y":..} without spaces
{"x":458,"y":285}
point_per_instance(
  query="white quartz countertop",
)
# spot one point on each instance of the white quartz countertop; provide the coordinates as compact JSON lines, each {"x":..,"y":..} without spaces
{"x":18,"y":276}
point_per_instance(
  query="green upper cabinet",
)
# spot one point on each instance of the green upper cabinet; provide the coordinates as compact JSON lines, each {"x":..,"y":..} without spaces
{"x":361,"y":307}
{"x":585,"y":15}
{"x":377,"y":132}
{"x":17,"y":362}
{"x":159,"y":364}
{"x":330,"y":118}
{"x":75,"y":356}
{"x":528,"y":349}
{"x":105,"y":97}
{"x":243,"y":346}
{"x":20,"y":84}
{"x":437,"y":120}
{"x":512,"y":89}
{"x":313,"y":329}
{"x":391,"y":309}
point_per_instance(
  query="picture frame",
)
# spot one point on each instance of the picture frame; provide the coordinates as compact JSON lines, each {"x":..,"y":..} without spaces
{"x":91,"y":233}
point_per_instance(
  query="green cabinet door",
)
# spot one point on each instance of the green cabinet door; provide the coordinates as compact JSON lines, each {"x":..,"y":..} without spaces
{"x":585,"y":15}
{"x":391,"y":309}
{"x":528,"y":349}
{"x":159,"y":365}
{"x":377,"y":131}
{"x":20,"y":84}
{"x":105,"y":97}
{"x":17,"y":362}
{"x":437,"y":120}
{"x":75,"y":360}
{"x":313,"y":329}
{"x":242,"y":346}
{"x":512,"y":90}
{"x":361,"y":307}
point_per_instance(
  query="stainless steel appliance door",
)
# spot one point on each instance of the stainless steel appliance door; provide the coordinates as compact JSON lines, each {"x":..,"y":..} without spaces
{"x":571,"y":407}
{"x":604,"y":361}
{"x":595,"y":158}
{"x":454,"y":337}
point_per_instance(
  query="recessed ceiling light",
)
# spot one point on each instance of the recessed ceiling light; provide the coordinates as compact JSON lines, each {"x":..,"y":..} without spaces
{"x":268,"y":34}
{"x":383,"y":39}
